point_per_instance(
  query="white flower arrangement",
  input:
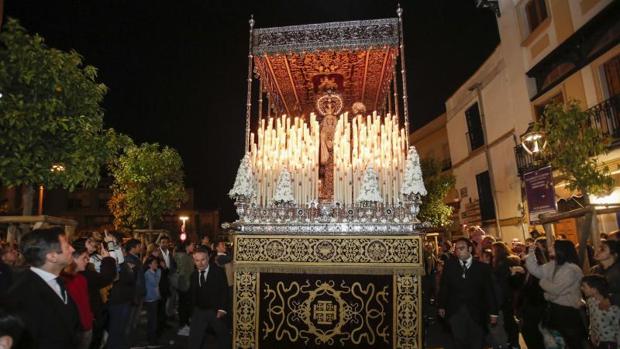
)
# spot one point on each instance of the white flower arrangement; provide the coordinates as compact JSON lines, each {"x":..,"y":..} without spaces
{"x":413,"y":183}
{"x":244,"y":182}
{"x":369,"y":190}
{"x":284,"y":189}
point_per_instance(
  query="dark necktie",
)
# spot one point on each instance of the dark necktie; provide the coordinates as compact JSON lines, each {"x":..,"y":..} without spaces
{"x":201,"y":280}
{"x":464,"y":265}
{"x":63,"y":289}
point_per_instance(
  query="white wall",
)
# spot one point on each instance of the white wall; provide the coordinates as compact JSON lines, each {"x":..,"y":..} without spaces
{"x":579,"y":18}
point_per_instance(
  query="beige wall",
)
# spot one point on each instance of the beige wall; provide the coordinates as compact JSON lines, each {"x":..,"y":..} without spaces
{"x":583,"y":10}
{"x":506,"y":90}
{"x":503,"y":97}
{"x":431,"y":140}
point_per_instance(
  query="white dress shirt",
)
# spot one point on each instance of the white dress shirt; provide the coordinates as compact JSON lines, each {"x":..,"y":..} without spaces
{"x":166,"y":256}
{"x":50,"y":279}
{"x":204,"y":277}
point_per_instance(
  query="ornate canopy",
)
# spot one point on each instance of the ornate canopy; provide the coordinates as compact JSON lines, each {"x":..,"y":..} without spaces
{"x":354,"y":59}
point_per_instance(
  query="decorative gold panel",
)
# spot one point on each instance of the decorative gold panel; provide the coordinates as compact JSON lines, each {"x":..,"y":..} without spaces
{"x":328,"y":311}
{"x":321,"y":250}
{"x":245,"y":309}
{"x":407,"y":310}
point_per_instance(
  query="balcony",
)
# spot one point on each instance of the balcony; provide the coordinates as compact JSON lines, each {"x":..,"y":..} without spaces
{"x":604,"y":117}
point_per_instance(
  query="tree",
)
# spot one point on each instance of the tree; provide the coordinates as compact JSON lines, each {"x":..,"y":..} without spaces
{"x":574,"y":146}
{"x":148,"y":183}
{"x":50,"y":115}
{"x":433,"y":208}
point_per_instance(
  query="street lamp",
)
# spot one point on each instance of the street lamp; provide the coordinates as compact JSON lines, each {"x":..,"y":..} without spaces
{"x":533,"y":140}
{"x":56,"y":168}
{"x":492,"y":5}
{"x":183,"y":234}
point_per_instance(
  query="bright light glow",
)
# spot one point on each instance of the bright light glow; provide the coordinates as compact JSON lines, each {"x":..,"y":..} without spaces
{"x":290,"y":143}
{"x":1,"y":94}
{"x":613,"y":198}
{"x":533,"y":142}
{"x":359,"y":141}
{"x":363,"y":141}
{"x":183,"y":236}
{"x":184,"y":218}
{"x":57,"y":168}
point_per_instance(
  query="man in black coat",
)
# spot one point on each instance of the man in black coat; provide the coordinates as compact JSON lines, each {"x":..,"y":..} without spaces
{"x":39,"y":296}
{"x":121,"y":297}
{"x":132,"y":258}
{"x":466,"y":297}
{"x":208,"y":289}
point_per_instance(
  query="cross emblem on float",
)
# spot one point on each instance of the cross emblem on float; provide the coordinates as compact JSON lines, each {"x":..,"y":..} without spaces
{"x":324,"y":312}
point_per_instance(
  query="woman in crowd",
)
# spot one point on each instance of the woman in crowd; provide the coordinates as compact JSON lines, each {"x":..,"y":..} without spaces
{"x":487,"y":256}
{"x":506,"y":283}
{"x":560,"y":280}
{"x":77,"y":287}
{"x":99,"y":279}
{"x":531,"y":300}
{"x":609,"y":266}
{"x":604,"y":317}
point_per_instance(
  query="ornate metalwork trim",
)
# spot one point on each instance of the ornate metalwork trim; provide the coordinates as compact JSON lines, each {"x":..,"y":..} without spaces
{"x":404,"y":251}
{"x":407,"y":311}
{"x":334,"y":35}
{"x":384,"y":229}
{"x":246,"y":309}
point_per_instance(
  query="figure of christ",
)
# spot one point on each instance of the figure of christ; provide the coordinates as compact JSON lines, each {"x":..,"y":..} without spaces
{"x":326,"y":169}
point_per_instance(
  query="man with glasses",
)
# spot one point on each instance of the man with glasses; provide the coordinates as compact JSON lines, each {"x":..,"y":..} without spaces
{"x":466,"y":297}
{"x":39,"y":296}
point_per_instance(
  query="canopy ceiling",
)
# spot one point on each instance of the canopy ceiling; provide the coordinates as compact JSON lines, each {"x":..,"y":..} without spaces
{"x":355,"y":59}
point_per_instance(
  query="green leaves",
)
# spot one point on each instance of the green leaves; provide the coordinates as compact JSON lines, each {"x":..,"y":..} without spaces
{"x":50,"y":113}
{"x":433,"y":209}
{"x":575,"y":144}
{"x":148,"y":182}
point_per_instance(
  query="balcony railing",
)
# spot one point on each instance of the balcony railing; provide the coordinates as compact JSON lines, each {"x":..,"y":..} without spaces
{"x":604,"y":117}
{"x":527,"y":162}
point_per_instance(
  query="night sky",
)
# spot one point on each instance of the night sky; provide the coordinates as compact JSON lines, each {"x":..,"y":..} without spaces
{"x":176,"y":70}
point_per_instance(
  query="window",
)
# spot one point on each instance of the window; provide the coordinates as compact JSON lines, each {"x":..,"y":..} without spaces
{"x":536,"y":12}
{"x":474,"y":126}
{"x":487,"y":207}
{"x":611,"y":69}
{"x":540,"y":107}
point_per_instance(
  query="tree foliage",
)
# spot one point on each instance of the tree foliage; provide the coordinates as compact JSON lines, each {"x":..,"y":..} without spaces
{"x":50,"y":114}
{"x":438,"y":184}
{"x":148,"y":183}
{"x":574,"y":146}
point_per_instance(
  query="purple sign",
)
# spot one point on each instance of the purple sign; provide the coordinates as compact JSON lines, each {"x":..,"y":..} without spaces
{"x":540,"y":192}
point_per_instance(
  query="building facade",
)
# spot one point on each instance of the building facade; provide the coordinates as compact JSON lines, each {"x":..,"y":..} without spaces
{"x":550,"y":51}
{"x":431,"y":142}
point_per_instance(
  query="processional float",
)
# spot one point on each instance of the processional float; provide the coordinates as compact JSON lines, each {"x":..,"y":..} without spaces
{"x":327,"y":247}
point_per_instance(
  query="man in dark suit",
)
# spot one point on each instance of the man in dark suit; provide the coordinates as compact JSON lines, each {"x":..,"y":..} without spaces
{"x":39,"y":296}
{"x":208,"y":298}
{"x":467,"y":298}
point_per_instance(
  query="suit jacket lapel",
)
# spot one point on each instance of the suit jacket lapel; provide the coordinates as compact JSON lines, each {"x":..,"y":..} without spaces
{"x":50,"y":297}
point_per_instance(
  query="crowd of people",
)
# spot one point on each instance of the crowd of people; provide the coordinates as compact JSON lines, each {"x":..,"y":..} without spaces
{"x":488,"y":292}
{"x":94,"y":291}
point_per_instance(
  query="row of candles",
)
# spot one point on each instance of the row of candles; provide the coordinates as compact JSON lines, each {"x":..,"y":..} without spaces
{"x":286,"y":143}
{"x":368,"y":141}
{"x":293,"y":144}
